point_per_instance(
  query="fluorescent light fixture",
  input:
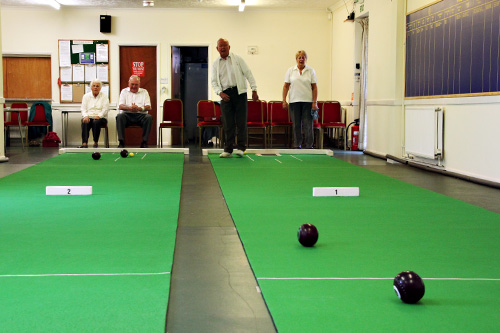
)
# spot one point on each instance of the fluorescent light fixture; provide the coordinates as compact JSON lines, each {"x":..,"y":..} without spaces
{"x":54,"y":4}
{"x":146,"y":3}
{"x":242,"y":6}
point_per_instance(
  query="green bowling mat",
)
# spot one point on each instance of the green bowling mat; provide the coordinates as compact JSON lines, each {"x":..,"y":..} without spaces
{"x":89,"y":263}
{"x":344,"y":283}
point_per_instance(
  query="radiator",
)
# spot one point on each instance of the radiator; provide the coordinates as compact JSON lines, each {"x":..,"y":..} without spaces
{"x":424,"y":132}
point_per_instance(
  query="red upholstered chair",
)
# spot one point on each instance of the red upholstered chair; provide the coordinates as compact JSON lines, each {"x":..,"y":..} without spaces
{"x":256,"y":120}
{"x":208,"y":116}
{"x":333,"y":120}
{"x":266,"y":120}
{"x":317,"y":127}
{"x":218,"y":115}
{"x":278,"y":118}
{"x":218,"y":111}
{"x":14,"y":120}
{"x":22,"y":114}
{"x":173,"y":117}
{"x":39,"y":120}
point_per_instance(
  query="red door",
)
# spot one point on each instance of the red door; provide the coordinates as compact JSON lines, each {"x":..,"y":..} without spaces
{"x":147,"y":55}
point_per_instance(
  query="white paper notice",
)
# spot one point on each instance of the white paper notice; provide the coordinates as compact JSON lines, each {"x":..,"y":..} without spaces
{"x":101,"y":52}
{"x":64,"y":54}
{"x":66,"y":74}
{"x":82,"y":42}
{"x":77,"y":48}
{"x":105,"y":90}
{"x":78,"y":73}
{"x":102,"y":73}
{"x":90,"y":72}
{"x":66,"y":92}
{"x":87,"y":88}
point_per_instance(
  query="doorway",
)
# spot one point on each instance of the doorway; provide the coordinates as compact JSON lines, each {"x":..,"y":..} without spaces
{"x":147,"y":56}
{"x":190,"y":83}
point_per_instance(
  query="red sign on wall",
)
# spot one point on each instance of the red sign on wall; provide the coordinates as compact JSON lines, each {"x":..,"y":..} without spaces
{"x":138,"y":68}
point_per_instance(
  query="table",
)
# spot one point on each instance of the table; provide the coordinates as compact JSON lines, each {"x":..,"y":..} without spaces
{"x":27,"y":100}
{"x":18,"y":111}
{"x":64,"y":123}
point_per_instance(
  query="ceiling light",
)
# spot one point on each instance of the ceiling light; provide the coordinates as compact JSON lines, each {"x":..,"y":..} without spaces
{"x":242,"y":6}
{"x":54,"y":4}
{"x":148,"y":3}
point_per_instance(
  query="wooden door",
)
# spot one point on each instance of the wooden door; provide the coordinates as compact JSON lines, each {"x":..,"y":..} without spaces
{"x":26,"y":77}
{"x":146,"y":54}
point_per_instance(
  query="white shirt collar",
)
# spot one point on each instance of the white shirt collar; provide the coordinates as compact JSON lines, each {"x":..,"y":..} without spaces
{"x":297,"y":67}
{"x":229,"y":56}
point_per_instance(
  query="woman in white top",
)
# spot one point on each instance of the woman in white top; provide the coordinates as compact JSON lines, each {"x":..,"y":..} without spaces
{"x":95,"y":107}
{"x":300,"y":82}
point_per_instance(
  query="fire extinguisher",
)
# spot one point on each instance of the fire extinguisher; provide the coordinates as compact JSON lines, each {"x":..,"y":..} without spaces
{"x":354,"y":134}
{"x":355,"y":137}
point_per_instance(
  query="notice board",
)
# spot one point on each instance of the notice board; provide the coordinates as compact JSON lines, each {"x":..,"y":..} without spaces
{"x":452,"y":49}
{"x":81,"y":61}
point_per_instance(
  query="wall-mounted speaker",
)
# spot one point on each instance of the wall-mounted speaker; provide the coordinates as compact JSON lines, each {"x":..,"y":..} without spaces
{"x":105,"y":23}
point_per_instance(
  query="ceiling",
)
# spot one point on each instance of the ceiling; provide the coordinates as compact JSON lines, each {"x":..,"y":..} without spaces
{"x":200,"y":4}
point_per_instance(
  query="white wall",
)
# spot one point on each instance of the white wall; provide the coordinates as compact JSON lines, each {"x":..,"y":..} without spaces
{"x":2,"y":138}
{"x":278,"y":35}
{"x":345,"y":53}
{"x":471,"y":137}
{"x":470,"y":134}
{"x":343,"y":58}
{"x":384,"y":100}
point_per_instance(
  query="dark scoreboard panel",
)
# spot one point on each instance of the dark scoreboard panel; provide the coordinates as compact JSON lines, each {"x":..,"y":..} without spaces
{"x":453,"y":48}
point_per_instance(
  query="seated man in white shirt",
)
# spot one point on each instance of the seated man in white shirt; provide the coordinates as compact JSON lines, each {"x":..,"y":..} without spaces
{"x":95,"y":107}
{"x":134,"y":105}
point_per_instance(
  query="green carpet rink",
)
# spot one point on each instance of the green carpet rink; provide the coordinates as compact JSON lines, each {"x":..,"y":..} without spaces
{"x":371,"y":306}
{"x":100,"y":303}
{"x":345,"y":282}
{"x":89,"y":263}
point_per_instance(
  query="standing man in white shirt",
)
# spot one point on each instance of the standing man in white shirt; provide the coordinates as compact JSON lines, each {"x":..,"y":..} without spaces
{"x":95,"y":107}
{"x":229,"y":76}
{"x":134,"y":105}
